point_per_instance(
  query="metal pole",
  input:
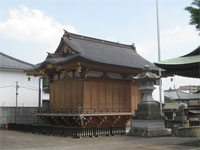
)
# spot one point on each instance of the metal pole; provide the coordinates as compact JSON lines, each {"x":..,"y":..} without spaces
{"x":39,"y":92}
{"x":159,"y":57}
{"x":16,"y":101}
{"x":174,"y":84}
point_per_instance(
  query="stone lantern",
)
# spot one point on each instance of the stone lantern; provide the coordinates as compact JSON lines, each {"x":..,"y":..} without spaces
{"x":148,"y":120}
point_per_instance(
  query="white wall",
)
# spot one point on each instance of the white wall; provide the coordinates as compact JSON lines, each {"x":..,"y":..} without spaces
{"x":28,"y":90}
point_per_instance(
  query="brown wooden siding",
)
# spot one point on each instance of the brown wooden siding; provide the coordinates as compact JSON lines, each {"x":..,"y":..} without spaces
{"x":95,"y":95}
{"x":66,"y":93}
{"x":135,"y":96}
{"x":110,"y":95}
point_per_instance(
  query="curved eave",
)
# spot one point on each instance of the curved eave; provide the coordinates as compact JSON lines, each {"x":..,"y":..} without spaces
{"x":85,"y":62}
{"x":187,"y":70}
{"x":111,"y":65}
{"x":178,"y":66}
{"x":195,"y":52}
{"x":189,"y":60}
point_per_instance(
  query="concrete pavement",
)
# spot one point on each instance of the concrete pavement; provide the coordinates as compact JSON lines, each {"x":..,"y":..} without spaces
{"x":10,"y":140}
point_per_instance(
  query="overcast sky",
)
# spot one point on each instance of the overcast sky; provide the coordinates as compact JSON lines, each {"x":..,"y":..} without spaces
{"x":30,"y":28}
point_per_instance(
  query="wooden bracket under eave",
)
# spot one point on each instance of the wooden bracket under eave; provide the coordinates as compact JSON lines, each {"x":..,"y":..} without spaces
{"x":35,"y":74}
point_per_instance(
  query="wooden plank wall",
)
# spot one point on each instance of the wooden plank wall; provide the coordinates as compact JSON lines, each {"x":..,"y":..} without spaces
{"x":99,"y":94}
{"x":66,"y":93}
{"x":135,"y":96}
{"x":108,"y":95}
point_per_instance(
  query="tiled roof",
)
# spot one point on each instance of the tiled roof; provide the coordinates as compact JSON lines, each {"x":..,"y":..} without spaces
{"x":187,"y":65}
{"x":99,"y":51}
{"x":171,"y":106}
{"x":179,"y":95}
{"x":193,"y":53}
{"x":181,"y":60}
{"x":8,"y":62}
{"x":192,"y":57}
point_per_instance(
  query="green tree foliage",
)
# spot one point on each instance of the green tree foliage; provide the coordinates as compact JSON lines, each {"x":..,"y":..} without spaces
{"x":172,"y":101}
{"x":194,"y":11}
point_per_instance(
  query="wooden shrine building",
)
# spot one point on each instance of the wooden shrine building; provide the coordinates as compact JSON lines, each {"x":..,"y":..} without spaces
{"x":91,"y":82}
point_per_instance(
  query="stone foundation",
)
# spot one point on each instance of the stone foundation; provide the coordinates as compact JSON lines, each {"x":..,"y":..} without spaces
{"x":148,"y":128}
{"x":187,"y":132}
{"x":148,"y":122}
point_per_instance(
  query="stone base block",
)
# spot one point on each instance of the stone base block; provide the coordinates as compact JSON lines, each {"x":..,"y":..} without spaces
{"x":148,"y":128}
{"x":187,"y":132}
{"x":148,"y":111}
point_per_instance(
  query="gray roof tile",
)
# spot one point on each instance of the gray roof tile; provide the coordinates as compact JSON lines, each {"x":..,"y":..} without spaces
{"x":100,"y":51}
{"x":178,"y":95}
{"x":8,"y":62}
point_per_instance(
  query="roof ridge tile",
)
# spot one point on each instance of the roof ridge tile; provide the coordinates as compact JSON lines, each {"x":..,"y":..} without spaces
{"x":82,"y":37}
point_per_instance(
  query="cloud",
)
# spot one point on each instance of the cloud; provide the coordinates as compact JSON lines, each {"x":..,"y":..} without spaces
{"x":180,"y":35}
{"x":148,"y":50}
{"x":174,"y":42}
{"x":31,"y":25}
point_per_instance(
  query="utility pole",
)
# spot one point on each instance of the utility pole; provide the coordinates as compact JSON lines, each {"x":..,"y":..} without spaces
{"x":159,"y":57}
{"x":17,"y":87}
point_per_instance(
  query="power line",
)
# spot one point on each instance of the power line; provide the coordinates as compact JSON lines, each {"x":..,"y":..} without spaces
{"x":28,"y":88}
{"x":7,"y":86}
{"x":25,"y":85}
{"x":34,"y":89}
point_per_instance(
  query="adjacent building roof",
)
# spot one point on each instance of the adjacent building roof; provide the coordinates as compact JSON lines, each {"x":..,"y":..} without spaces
{"x":179,"y":95}
{"x":181,"y":60}
{"x":174,"y":106}
{"x":187,"y":65}
{"x":11,"y":63}
{"x":97,"y":51}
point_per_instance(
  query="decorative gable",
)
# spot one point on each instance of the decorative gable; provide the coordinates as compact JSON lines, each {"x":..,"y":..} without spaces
{"x":65,"y":49}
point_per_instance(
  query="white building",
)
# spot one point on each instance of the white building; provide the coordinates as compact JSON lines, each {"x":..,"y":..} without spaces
{"x":13,"y":77}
